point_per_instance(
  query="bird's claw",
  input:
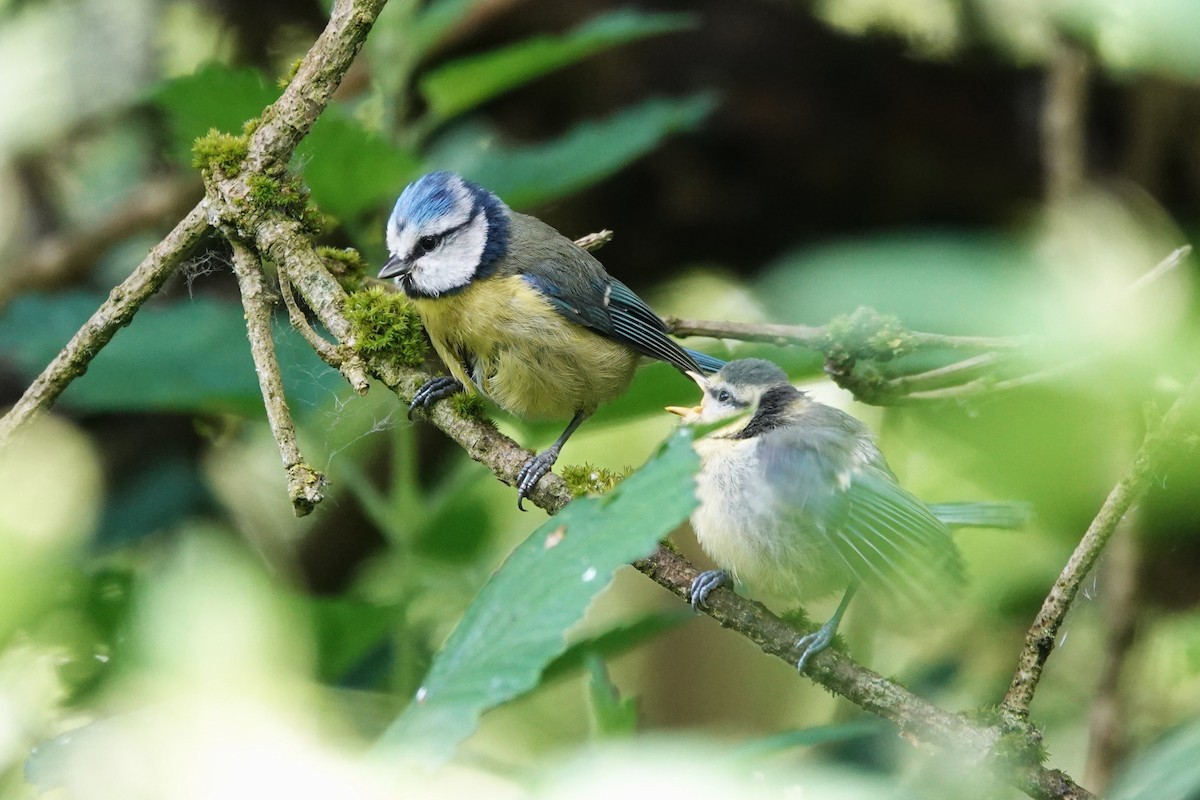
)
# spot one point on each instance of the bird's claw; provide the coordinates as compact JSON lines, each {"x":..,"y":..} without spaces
{"x":433,"y":390}
{"x":703,"y":585}
{"x":814,"y":643}
{"x":531,"y":472}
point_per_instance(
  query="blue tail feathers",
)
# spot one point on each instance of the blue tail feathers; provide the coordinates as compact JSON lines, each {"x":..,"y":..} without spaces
{"x":708,"y":364}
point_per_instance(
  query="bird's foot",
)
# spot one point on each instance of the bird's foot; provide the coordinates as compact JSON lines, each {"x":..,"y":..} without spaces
{"x":815,"y":642}
{"x":703,"y":585}
{"x":433,"y":390}
{"x":532,"y":471}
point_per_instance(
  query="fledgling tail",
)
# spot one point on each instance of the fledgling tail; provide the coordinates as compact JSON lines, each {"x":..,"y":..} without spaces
{"x":1005,"y":516}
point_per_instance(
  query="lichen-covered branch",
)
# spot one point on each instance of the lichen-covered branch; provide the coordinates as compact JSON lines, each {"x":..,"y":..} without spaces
{"x":289,"y":118}
{"x":304,"y":483}
{"x":116,"y":312}
{"x":1159,"y":444}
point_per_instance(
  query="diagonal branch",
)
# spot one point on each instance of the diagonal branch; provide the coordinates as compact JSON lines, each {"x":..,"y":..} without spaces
{"x":113,"y":314}
{"x":304,"y":482}
{"x":1151,"y":458}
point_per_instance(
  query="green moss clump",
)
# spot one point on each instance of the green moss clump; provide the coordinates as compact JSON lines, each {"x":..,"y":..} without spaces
{"x":584,"y":479}
{"x":867,"y":334}
{"x":386,"y":325}
{"x":469,"y":405}
{"x":289,"y":195}
{"x":286,"y":77}
{"x":346,"y":265}
{"x":217,"y":152}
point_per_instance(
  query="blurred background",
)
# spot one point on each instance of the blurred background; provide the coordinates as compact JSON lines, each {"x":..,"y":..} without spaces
{"x":975,"y":167}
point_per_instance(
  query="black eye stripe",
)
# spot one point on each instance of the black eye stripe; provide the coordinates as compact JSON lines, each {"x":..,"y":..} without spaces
{"x":420,"y":247}
{"x":725,"y":396}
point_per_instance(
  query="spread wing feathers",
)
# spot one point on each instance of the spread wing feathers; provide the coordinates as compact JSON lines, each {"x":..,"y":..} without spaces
{"x":595,"y":300}
{"x":877,"y":532}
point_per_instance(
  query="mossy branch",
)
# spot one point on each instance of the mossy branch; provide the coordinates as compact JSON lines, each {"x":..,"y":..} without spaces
{"x":857,"y":347}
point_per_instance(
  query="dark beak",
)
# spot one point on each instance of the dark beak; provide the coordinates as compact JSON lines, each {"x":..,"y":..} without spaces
{"x":394,"y":267}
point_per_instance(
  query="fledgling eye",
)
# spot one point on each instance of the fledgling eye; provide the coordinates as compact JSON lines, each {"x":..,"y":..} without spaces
{"x":723,"y":396}
{"x":426,"y":243}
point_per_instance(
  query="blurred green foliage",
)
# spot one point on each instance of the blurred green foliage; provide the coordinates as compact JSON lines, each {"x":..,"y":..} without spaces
{"x":155,"y":630}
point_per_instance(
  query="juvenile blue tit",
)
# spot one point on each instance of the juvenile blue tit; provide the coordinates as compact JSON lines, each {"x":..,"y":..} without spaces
{"x":797,"y":501}
{"x":517,"y":311}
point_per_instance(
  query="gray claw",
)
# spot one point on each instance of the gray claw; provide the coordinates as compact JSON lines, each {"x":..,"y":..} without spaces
{"x":703,"y":585}
{"x":433,"y":390}
{"x":531,"y":472}
{"x":814,"y":643}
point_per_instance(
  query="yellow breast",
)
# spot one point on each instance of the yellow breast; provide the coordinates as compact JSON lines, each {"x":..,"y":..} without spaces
{"x":504,"y":339}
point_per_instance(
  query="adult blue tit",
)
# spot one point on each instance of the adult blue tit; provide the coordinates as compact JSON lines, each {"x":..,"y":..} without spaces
{"x":796,"y":500}
{"x":517,"y":311}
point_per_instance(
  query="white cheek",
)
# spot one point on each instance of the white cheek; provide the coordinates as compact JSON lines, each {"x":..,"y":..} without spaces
{"x":712,"y":411}
{"x":452,"y":265}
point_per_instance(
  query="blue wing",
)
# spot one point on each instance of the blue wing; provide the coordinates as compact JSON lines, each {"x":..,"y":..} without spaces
{"x":598,"y":301}
{"x":874,"y":530}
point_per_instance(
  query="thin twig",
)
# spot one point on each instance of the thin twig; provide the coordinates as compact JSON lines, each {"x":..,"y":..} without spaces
{"x":1149,"y":462}
{"x":939,"y":375}
{"x":114,"y":313}
{"x":348,"y":363}
{"x":817,"y":338}
{"x":594,"y":241}
{"x":305,"y":484}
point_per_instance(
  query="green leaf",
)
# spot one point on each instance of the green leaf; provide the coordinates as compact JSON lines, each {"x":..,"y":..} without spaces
{"x":1169,"y":770}
{"x":189,"y":356}
{"x":615,"y":641}
{"x":516,"y":625}
{"x":213,"y":96}
{"x":612,"y":715}
{"x":529,"y":175}
{"x":467,"y":82}
{"x":350,"y":169}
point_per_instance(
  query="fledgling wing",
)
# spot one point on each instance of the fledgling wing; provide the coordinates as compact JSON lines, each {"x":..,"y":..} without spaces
{"x":834,"y":485}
